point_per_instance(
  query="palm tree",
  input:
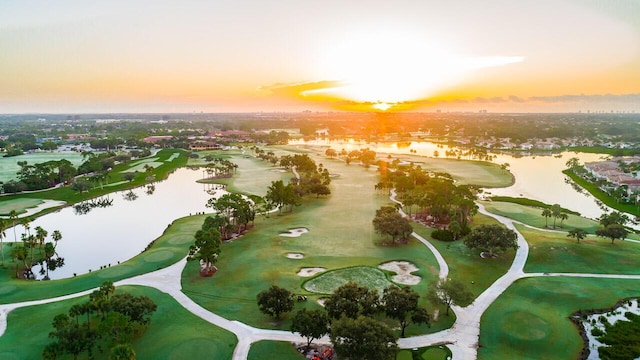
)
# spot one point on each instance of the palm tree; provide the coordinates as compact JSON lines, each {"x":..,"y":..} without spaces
{"x":41,"y":234}
{"x":563,"y":216}
{"x":556,"y":210}
{"x":3,"y":227}
{"x":13,"y":215}
{"x":56,"y":236}
{"x":547,"y":214}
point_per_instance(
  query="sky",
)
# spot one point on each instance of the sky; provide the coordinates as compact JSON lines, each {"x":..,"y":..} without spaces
{"x":87,"y":56}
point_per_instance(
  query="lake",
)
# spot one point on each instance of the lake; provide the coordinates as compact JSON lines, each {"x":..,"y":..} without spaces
{"x":118,"y":232}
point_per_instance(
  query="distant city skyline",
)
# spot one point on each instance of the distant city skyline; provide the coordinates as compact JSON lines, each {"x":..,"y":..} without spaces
{"x":246,"y":56}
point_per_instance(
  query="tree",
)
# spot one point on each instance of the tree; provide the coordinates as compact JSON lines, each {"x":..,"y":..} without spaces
{"x":81,"y":185}
{"x":330,"y":152}
{"x":352,"y":300}
{"x":363,"y":338}
{"x":70,"y":337}
{"x":3,"y":234}
{"x":556,"y":211}
{"x":311,"y":324}
{"x":129,"y":176}
{"x":206,"y":249}
{"x":547,"y":214}
{"x":577,"y":234}
{"x":492,"y":239}
{"x":615,"y":217}
{"x":275,"y":301}
{"x":563,"y":217}
{"x":401,"y":304}
{"x":389,"y":222}
{"x":613,"y":232}
{"x":122,"y":352}
{"x":449,"y":292}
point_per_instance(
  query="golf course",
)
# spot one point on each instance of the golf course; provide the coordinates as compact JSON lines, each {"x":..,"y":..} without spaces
{"x":521,"y":304}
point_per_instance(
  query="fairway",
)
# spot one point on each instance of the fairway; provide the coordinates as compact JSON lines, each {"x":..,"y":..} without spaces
{"x":531,"y":319}
{"x":9,"y":165}
{"x":340,"y":236}
{"x":366,"y":276}
{"x":19,"y":205}
{"x":555,"y":252}
{"x":533,"y":216}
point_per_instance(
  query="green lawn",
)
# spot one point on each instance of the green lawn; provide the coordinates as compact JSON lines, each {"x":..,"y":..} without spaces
{"x":555,"y":252}
{"x":530,"y":319}
{"x":273,"y":350}
{"x":533,"y":216}
{"x":253,"y":175}
{"x":173,"y":331}
{"x":340,"y":235}
{"x":466,"y":265}
{"x":9,"y":165}
{"x":601,"y":195}
{"x":19,"y":205}
{"x":328,"y":282}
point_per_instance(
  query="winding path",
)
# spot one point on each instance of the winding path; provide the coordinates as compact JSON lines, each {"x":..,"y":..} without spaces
{"x":462,"y":337}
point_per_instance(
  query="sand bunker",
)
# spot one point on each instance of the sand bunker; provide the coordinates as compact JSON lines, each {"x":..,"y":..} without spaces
{"x":404,"y":270}
{"x":292,"y":255}
{"x":294,"y":232}
{"x":308,"y":272}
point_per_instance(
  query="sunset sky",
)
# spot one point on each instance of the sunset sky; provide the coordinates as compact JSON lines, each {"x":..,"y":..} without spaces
{"x":292,"y":55}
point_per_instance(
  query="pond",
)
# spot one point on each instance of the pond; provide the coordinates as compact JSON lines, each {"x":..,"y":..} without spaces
{"x":102,"y":234}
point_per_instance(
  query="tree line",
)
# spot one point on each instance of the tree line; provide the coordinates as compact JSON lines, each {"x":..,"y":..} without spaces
{"x":107,"y":321}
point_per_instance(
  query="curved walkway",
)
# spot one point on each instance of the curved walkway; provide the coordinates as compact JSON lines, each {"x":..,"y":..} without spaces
{"x":462,"y":337}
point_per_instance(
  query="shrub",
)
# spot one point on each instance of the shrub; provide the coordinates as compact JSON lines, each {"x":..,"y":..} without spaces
{"x":442,"y":235}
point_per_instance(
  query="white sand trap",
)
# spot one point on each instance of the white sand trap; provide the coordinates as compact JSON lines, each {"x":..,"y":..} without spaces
{"x":279,"y":170}
{"x":404,"y":270}
{"x":321,"y":301}
{"x":293,"y":255}
{"x":308,"y":272}
{"x":294,"y":232}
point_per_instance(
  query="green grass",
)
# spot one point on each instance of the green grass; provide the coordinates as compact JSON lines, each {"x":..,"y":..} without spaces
{"x":19,"y":205}
{"x":466,"y":265}
{"x":273,"y":350}
{"x":555,"y":252}
{"x":173,"y":332}
{"x":533,"y":216}
{"x":530,"y":202}
{"x":530,"y":319}
{"x":437,"y":352}
{"x":328,"y":282}
{"x":253,"y":175}
{"x":9,"y":165}
{"x":340,"y":235}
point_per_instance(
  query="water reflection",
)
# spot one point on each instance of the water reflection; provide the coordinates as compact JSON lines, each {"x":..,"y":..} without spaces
{"x":107,"y":235}
{"x":85,"y":207}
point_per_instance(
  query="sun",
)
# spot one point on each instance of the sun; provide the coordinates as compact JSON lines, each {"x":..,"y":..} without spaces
{"x":384,"y":67}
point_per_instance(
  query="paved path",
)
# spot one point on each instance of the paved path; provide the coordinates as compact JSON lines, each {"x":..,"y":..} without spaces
{"x":462,"y":337}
